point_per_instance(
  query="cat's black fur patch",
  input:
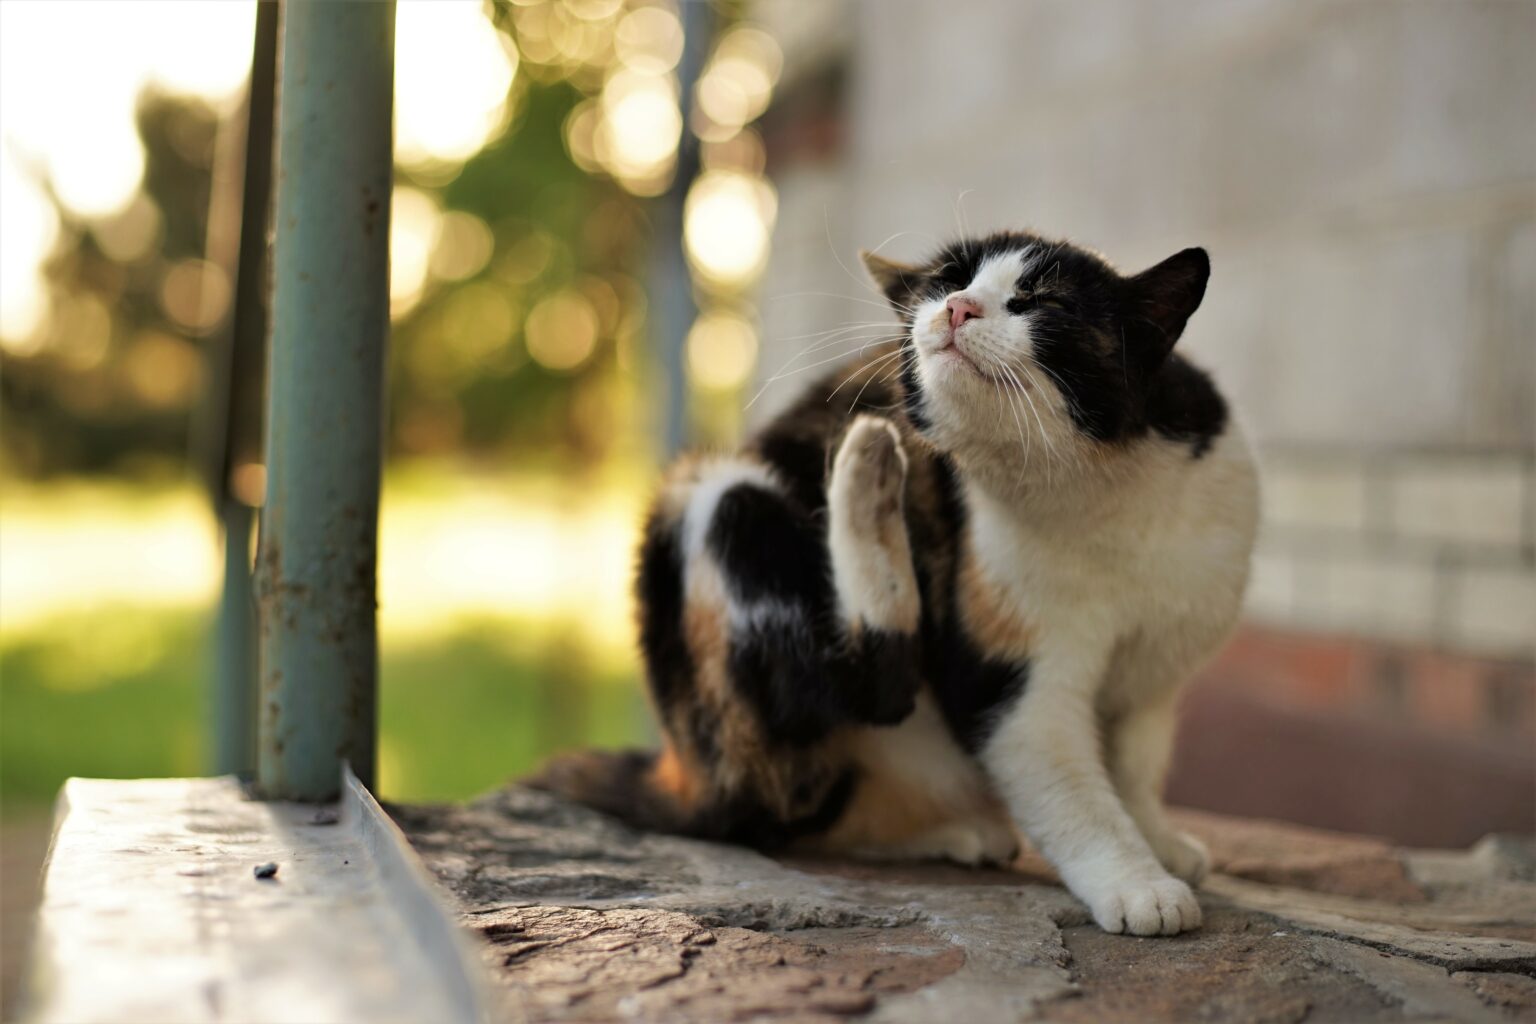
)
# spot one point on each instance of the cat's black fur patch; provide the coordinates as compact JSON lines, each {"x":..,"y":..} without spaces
{"x":769,"y":550}
{"x":977,"y":690}
{"x":1185,"y":406}
{"x":659,"y":596}
{"x":750,"y":822}
{"x":883,"y":670}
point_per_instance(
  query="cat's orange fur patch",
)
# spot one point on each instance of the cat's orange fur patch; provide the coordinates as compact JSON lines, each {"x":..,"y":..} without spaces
{"x":887,"y":811}
{"x":672,"y":776}
{"x":992,"y":620}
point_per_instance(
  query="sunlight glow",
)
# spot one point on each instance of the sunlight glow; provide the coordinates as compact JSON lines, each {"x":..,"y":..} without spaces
{"x":728,"y":220}
{"x":453,"y":70}
{"x":463,"y":548}
{"x":636,"y":140}
{"x":31,"y":227}
{"x":71,"y":75}
{"x":415,"y":224}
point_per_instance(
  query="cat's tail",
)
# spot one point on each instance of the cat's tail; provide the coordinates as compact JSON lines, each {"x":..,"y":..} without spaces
{"x":635,"y":786}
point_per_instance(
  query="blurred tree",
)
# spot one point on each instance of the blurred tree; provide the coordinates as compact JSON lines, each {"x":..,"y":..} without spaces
{"x":520,"y":342}
{"x":111,"y":385}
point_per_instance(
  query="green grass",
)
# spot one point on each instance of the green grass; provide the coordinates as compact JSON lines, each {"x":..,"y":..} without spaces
{"x":116,"y":693}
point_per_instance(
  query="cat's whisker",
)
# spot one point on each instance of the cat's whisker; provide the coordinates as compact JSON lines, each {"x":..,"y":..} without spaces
{"x":871,"y":378}
{"x":1045,"y":437}
{"x":861,"y":335}
{"x":887,"y":304}
{"x":822,"y":362}
{"x":838,"y":337}
{"x":1024,"y":441}
{"x":861,"y":368}
{"x":784,"y":372}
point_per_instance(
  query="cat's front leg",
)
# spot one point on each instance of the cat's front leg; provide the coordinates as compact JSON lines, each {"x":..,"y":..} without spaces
{"x":872,"y":571}
{"x":1140,"y":743}
{"x":1045,"y":759}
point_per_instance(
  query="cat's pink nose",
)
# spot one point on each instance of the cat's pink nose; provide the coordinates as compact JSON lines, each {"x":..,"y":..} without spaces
{"x":962,"y":309}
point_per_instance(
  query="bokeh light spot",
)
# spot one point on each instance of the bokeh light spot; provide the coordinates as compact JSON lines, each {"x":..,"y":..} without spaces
{"x":649,"y":40}
{"x":728,"y":219}
{"x":415,"y":222}
{"x":722,"y":349}
{"x":195,"y":295}
{"x":464,"y":246}
{"x":561,"y":331}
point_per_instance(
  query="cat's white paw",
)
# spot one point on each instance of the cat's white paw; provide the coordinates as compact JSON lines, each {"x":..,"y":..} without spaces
{"x":870,"y":462}
{"x":1161,"y":906}
{"x":1183,"y":855}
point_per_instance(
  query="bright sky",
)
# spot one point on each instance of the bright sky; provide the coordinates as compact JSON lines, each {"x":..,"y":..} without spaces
{"x":71,"y":73}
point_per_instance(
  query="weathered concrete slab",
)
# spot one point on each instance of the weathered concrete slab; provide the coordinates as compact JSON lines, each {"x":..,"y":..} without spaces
{"x":583,"y":919}
{"x":151,"y":911}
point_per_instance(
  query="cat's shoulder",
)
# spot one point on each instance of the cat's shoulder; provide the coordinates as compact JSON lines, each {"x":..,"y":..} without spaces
{"x":1185,"y":405}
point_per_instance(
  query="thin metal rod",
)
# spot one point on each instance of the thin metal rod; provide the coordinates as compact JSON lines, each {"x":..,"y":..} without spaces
{"x":672,"y":285}
{"x":234,"y":690}
{"x":229,"y":427}
{"x":317,"y":564}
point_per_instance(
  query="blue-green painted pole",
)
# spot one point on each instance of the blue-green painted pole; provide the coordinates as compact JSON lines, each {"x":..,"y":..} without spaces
{"x":316,"y":567}
{"x":231,"y":427}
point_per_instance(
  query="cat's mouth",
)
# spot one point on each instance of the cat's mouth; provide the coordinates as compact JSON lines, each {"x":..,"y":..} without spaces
{"x":952,"y":350}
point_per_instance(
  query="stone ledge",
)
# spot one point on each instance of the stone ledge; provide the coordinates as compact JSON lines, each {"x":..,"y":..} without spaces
{"x":583,"y":919}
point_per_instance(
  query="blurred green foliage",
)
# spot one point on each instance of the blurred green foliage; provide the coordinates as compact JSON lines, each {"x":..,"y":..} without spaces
{"x":121,"y":693}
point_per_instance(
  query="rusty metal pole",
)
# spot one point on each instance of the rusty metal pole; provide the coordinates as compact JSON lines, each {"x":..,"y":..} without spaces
{"x":317,"y":564}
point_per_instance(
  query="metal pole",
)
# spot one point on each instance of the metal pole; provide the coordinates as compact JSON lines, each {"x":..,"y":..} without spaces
{"x":229,"y":427}
{"x":672,"y":284}
{"x":316,"y":568}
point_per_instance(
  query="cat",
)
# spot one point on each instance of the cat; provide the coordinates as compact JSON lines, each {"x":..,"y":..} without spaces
{"x":955,"y":588}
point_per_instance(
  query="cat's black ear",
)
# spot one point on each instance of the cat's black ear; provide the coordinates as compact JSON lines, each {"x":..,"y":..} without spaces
{"x":1158,"y":302}
{"x":896,"y":280}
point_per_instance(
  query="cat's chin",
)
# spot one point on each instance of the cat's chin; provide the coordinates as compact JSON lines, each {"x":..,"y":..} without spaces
{"x":951,"y":366}
{"x":951,"y":357}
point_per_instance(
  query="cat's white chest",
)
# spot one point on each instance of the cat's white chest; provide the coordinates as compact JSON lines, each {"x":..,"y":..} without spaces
{"x":1113,"y":574}
{"x":1093,"y":581}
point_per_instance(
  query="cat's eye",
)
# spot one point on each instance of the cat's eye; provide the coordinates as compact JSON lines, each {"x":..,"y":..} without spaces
{"x":1026,"y":301}
{"x":953,"y":273}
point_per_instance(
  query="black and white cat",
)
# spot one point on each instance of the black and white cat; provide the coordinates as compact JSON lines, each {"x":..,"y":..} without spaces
{"x":956,"y":587}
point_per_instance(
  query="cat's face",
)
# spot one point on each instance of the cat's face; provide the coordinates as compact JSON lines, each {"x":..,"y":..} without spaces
{"x":1034,"y":347}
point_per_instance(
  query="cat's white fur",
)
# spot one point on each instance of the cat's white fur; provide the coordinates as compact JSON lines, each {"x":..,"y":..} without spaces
{"x":1130,"y":567}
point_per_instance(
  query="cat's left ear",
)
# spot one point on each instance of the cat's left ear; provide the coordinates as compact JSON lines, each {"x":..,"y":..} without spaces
{"x":896,"y":280}
{"x":1158,"y":302}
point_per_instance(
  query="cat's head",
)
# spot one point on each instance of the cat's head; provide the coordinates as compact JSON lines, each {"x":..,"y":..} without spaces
{"x":1035,"y":346}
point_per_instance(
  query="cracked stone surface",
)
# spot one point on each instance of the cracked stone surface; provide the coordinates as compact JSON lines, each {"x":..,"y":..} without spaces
{"x":583,"y":919}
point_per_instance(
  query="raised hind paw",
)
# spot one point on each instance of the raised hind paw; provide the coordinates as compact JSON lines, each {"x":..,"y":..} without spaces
{"x":1159,"y":906}
{"x":867,"y":529}
{"x":870,"y":470}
